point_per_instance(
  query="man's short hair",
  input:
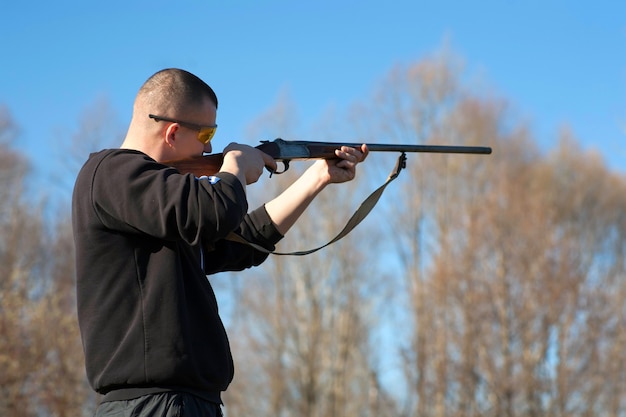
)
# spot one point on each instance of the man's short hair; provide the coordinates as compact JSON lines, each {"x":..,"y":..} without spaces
{"x":175,"y":88}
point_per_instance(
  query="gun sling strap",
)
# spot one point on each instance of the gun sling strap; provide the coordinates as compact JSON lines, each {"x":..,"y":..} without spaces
{"x":364,"y":209}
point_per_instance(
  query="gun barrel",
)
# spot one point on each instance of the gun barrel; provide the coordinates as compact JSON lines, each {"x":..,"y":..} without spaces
{"x":295,"y":149}
{"x":375,"y":147}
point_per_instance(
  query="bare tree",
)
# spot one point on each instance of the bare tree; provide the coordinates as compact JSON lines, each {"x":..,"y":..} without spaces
{"x":98,"y":128}
{"x":514,"y":264}
{"x":40,"y":351}
{"x":302,"y":337}
{"x":61,"y":382}
{"x":20,"y":234}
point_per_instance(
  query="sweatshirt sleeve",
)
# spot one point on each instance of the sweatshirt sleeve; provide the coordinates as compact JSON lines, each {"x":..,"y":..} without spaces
{"x":134,"y":194}
{"x":226,"y":255}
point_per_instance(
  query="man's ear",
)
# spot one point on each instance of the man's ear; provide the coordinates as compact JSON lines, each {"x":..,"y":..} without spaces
{"x":170,"y":135}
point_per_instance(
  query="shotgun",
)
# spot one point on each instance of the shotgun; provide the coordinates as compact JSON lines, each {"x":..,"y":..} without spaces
{"x":285,"y":151}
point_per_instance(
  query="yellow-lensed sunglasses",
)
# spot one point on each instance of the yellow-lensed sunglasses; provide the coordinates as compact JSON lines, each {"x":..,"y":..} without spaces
{"x":205,"y":133}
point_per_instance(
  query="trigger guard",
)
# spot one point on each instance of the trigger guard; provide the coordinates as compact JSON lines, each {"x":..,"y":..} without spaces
{"x":285,"y":168}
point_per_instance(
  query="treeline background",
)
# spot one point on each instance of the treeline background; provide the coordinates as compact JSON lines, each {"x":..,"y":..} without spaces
{"x":480,"y":285}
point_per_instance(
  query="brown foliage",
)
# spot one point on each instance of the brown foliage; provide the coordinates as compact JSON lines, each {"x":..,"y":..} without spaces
{"x":40,"y":352}
{"x":514,"y":267}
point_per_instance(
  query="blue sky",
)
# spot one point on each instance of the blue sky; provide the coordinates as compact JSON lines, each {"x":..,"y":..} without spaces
{"x":558,"y":62}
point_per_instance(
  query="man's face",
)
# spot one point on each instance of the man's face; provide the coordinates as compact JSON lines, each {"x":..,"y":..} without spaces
{"x":188,"y":134}
{"x":191,"y":137}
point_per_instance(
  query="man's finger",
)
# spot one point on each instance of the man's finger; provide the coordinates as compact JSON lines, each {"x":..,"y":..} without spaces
{"x":270,"y":163}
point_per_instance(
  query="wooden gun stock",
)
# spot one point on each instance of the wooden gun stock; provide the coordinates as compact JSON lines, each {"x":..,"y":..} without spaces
{"x":198,"y":165}
{"x":210,"y":164}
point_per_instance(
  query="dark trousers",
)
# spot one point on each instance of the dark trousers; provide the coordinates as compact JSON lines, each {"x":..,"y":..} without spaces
{"x":165,"y":404}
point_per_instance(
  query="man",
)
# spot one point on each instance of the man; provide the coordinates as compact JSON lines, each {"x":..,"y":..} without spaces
{"x":146,"y":236}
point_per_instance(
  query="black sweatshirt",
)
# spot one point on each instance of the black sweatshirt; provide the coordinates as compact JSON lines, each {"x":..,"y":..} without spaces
{"x":145,"y":238}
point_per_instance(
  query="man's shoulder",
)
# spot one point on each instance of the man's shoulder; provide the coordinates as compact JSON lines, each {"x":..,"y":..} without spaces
{"x":115,"y":160}
{"x":97,"y":157}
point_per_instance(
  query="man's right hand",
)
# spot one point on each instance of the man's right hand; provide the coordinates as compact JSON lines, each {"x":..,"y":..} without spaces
{"x":246,"y":162}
